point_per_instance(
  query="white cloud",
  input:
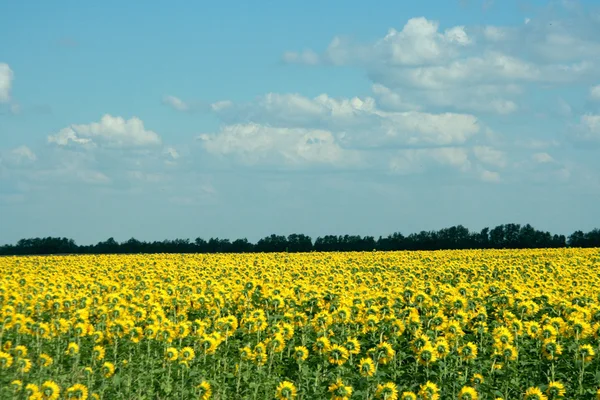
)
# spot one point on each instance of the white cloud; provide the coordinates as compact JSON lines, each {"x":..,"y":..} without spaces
{"x":391,"y":100}
{"x":307,"y":57}
{"x":595,"y":92}
{"x":472,"y":68}
{"x":176,"y":103}
{"x":412,"y":161}
{"x":490,"y":156}
{"x":542,"y":158}
{"x":357,"y":122}
{"x":147,"y":177}
{"x":6,"y":78}
{"x":22,"y":154}
{"x":489,"y":176}
{"x":588,"y":129}
{"x":254,"y":143}
{"x":172,"y":153}
{"x":109,"y":132}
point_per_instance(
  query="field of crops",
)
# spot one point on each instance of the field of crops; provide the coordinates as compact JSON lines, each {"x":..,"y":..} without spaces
{"x":406,"y":325}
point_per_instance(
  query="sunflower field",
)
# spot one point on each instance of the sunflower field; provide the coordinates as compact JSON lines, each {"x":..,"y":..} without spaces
{"x":493,"y":324}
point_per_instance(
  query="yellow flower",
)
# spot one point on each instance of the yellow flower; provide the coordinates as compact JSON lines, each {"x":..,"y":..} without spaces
{"x":408,"y":396}
{"x":45,"y":360}
{"x":387,"y":391}
{"x":426,"y":355}
{"x":72,"y":349}
{"x":32,"y":391}
{"x":555,"y":390}
{"x":477,"y":379}
{"x":205,"y":390}
{"x":321,"y":345}
{"x":20,"y":351}
{"x":339,"y":391}
{"x":171,"y":354}
{"x":429,"y":391}
{"x":108,"y":369}
{"x":24,"y":365}
{"x":6,"y":360}
{"x":587,"y":352}
{"x":50,"y":390}
{"x":352,"y":345}
{"x":366,"y":366}
{"x":468,"y":352}
{"x":98,"y":353}
{"x":77,"y":391}
{"x":467,"y":393}
{"x":300,"y":353}
{"x":17,"y":385}
{"x":187,"y":354}
{"x":286,"y":390}
{"x":337,"y":355}
{"x":534,"y":393}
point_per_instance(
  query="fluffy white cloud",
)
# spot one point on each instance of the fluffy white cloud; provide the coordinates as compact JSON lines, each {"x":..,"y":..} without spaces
{"x":176,"y":103}
{"x":172,"y":153}
{"x":595,"y":92}
{"x":588,"y":129}
{"x":490,"y":156}
{"x":22,"y":154}
{"x":542,"y":158}
{"x":357,"y":122}
{"x":307,"y":57}
{"x":472,"y":68}
{"x":115,"y":132}
{"x":254,"y":143}
{"x":410,"y":161}
{"x":489,"y":176}
{"x":6,"y":78}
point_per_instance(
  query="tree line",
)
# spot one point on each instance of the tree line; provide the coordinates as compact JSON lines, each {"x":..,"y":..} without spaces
{"x":507,"y":236}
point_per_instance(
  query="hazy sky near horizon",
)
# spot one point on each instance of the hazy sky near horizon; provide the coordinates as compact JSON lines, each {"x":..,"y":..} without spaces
{"x":236,"y":119}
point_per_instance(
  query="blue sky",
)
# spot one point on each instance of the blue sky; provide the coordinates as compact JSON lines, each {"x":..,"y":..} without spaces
{"x":242,"y":119}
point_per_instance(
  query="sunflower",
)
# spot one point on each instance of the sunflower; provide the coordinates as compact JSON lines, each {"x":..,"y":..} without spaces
{"x":339,"y":391}
{"x":555,"y":390}
{"x":587,"y":352}
{"x":286,"y":390}
{"x":24,"y":365}
{"x":17,"y":385}
{"x":429,"y":391}
{"x":352,"y":345}
{"x":387,"y":391}
{"x":300,"y":353}
{"x":45,"y":360}
{"x":468,"y":352}
{"x":98,"y":353}
{"x":408,"y":396}
{"x":534,"y":393}
{"x":337,"y":355}
{"x":32,"y":391}
{"x":171,"y":354}
{"x":108,"y":369}
{"x":205,"y":390}
{"x":20,"y":351}
{"x":321,"y":345}
{"x":467,"y":393}
{"x":50,"y":390}
{"x":426,"y":355}
{"x":477,"y":379}
{"x":72,"y":349}
{"x":187,"y":354}
{"x":77,"y":391}
{"x":366,"y":367}
{"x":6,"y":360}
